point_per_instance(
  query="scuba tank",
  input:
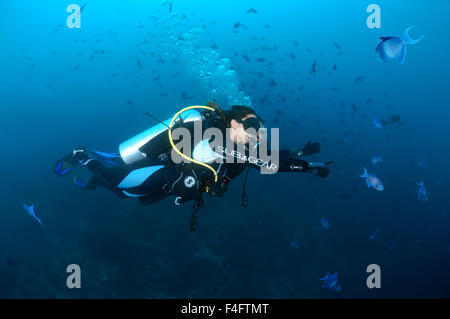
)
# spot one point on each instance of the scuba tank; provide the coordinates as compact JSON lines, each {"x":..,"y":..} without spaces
{"x":129,"y":150}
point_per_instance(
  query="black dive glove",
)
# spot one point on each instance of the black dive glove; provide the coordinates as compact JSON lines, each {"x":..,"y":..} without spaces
{"x":309,"y":148}
{"x":319,"y":168}
{"x":298,"y":165}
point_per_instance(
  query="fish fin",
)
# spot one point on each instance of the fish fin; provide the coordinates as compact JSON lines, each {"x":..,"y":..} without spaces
{"x":325,"y":277}
{"x":364,"y":174}
{"x":385,"y":38}
{"x":401,"y":57}
{"x":368,"y":183}
{"x":408,"y":39}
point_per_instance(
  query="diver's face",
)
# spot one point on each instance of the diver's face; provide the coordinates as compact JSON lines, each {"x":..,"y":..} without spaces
{"x":237,"y":133}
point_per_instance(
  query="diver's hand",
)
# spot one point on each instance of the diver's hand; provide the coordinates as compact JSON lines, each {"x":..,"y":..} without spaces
{"x":309,"y":148}
{"x":320,"y":169}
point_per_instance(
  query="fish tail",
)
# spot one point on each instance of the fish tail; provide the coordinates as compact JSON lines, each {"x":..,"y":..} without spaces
{"x":408,"y":39}
{"x":364,"y":174}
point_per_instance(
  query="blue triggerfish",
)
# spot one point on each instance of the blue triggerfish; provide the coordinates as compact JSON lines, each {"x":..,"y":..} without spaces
{"x":331,"y":282}
{"x":393,"y":49}
{"x":376,"y":123}
{"x":374,"y":235}
{"x":30,"y":210}
{"x":325,"y":223}
{"x":373,"y":181}
{"x":377,"y":159}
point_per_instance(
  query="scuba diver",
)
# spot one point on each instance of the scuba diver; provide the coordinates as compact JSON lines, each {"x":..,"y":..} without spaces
{"x":146,"y":168}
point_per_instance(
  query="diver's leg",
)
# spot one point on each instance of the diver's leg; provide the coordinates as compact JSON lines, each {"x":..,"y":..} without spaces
{"x":107,"y":169}
{"x":145,"y":182}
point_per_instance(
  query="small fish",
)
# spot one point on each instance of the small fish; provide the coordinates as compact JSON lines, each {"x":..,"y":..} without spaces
{"x":393,"y":49}
{"x":83,"y":6}
{"x":374,"y":235}
{"x":331,"y":282}
{"x":325,"y":223}
{"x":395,"y":118}
{"x":372,"y":181}
{"x":30,"y":210}
{"x":252,"y":10}
{"x":359,"y":79}
{"x":377,"y":123}
{"x":423,"y":163}
{"x":313,"y":69}
{"x":139,"y":63}
{"x":377,"y":159}
{"x":298,"y":244}
{"x":246,"y":58}
{"x":422,"y":193}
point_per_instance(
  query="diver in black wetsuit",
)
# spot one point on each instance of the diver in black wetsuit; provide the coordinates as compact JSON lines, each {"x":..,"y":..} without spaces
{"x":145,"y":167}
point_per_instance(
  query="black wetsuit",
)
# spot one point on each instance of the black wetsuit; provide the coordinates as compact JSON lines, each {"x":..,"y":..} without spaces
{"x":186,"y":180}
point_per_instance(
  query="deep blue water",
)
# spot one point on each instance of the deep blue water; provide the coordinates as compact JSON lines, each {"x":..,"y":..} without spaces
{"x":62,"y":87}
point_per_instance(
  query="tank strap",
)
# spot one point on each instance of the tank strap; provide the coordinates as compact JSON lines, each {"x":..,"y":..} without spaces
{"x":244,"y":193}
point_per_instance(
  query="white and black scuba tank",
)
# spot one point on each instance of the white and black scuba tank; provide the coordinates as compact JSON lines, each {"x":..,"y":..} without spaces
{"x":129,"y":150}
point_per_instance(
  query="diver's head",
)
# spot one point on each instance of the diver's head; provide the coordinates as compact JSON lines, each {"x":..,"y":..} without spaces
{"x":243,"y":123}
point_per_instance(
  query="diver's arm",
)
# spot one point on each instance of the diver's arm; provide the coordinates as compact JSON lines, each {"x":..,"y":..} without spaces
{"x":308,"y":149}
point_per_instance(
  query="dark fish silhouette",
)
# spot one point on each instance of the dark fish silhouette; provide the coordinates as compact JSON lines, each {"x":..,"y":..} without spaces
{"x":252,"y":10}
{"x":239,"y":25}
{"x":246,"y":58}
{"x":313,"y":69}
{"x":359,"y":79}
{"x":139,"y":63}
